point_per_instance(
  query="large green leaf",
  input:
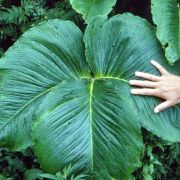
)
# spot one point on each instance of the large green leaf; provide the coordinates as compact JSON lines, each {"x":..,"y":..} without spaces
{"x":166,"y":16}
{"x":76,"y":119}
{"x":92,"y":8}
{"x":92,"y":124}
{"x":76,"y":116}
{"x":125,"y":44}
{"x":44,"y":57}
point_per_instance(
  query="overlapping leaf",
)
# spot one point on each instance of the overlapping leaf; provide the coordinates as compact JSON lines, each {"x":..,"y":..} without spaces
{"x":166,"y":16}
{"x":92,"y":8}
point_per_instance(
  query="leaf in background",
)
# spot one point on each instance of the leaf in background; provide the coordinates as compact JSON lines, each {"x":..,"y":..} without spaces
{"x":166,"y":16}
{"x":92,"y":8}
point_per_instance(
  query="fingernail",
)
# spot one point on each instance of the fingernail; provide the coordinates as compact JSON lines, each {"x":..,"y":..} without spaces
{"x":132,"y":91}
{"x":137,"y":73}
{"x":152,"y":61}
{"x":156,"y":110}
{"x":131,"y":82}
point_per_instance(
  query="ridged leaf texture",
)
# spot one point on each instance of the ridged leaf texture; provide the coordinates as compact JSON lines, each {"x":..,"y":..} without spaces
{"x":67,"y":94}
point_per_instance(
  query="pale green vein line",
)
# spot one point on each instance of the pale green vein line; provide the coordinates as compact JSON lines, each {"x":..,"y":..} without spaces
{"x":90,"y":115}
{"x":31,"y":101}
{"x":109,"y":77}
{"x":106,"y":77}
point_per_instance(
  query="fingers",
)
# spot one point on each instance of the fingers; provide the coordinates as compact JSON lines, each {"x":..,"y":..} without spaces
{"x":147,"y":76}
{"x":150,"y":87}
{"x":163,"y":106}
{"x":145,"y":91}
{"x":151,"y":77}
{"x":149,"y":84}
{"x":159,"y":67}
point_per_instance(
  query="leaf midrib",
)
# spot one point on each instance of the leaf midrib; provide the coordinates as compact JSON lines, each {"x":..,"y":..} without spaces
{"x":90,"y":115}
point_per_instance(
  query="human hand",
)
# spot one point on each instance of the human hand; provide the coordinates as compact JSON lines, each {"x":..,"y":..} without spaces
{"x":166,"y":86}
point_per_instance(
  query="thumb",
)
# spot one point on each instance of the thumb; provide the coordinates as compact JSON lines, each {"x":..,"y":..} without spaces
{"x":163,"y":106}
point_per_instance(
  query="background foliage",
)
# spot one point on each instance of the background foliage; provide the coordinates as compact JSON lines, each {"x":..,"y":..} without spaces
{"x":19,"y":15}
{"x":160,"y":160}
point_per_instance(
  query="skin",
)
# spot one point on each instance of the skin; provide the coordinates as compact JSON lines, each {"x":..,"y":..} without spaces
{"x":166,"y":86}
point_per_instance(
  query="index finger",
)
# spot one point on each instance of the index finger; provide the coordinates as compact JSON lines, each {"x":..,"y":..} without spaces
{"x":147,"y":76}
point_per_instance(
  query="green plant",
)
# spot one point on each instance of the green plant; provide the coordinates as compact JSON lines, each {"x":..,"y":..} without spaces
{"x":21,"y":14}
{"x":17,"y":17}
{"x":79,"y":111}
{"x":18,"y":164}
{"x":65,"y":175}
{"x":160,"y":159}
